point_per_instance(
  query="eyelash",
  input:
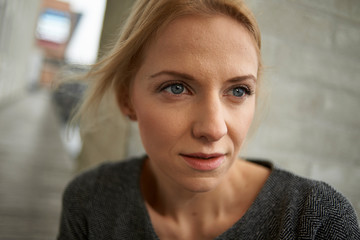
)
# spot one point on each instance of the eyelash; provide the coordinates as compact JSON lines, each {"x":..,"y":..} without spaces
{"x":164,"y":86}
{"x":248,"y":90}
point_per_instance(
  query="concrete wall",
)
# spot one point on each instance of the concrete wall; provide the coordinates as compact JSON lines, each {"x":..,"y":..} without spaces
{"x":111,"y":139}
{"x":18,"y":20}
{"x":312,"y":57}
{"x":115,"y":14}
{"x":311,"y":51}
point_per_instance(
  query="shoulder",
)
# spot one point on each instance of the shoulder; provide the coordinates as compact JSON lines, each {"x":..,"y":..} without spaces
{"x":101,"y":179}
{"x":93,"y":200}
{"x":315,"y":207}
{"x":311,"y":192}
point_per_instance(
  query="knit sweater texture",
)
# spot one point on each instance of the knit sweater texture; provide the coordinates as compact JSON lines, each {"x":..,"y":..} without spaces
{"x":106,"y":203}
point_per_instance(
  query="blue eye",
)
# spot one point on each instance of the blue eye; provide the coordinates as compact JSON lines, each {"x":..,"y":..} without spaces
{"x":176,"y":88}
{"x":238,"y":91}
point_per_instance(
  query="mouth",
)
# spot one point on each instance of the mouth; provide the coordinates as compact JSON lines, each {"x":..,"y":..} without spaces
{"x":203,"y":161}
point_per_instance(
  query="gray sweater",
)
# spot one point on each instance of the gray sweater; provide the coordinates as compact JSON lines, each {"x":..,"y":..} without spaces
{"x":106,"y":203}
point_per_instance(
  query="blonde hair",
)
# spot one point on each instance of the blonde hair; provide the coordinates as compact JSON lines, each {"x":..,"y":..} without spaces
{"x":116,"y":70}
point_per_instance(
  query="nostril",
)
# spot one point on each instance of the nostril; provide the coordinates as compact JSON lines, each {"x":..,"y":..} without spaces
{"x":211,"y":129}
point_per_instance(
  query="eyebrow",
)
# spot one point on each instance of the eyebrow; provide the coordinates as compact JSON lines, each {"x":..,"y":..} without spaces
{"x":189,"y":77}
{"x":173,"y":73}
{"x":243,"y":78}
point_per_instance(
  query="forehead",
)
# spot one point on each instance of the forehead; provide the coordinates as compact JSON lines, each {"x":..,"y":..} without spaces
{"x":196,"y":28}
{"x":198,"y":40}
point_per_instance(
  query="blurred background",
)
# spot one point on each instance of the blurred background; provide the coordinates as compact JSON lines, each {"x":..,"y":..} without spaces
{"x":311,"y":125}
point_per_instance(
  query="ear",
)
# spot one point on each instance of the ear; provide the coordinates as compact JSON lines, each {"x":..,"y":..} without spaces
{"x":125,"y":105}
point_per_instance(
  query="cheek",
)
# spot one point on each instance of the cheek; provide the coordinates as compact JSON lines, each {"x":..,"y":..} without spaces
{"x":241,"y":123}
{"x":158,"y":130}
{"x":248,"y":118}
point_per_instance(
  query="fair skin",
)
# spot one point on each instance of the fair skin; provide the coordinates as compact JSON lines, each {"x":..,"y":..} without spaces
{"x":194,"y":100}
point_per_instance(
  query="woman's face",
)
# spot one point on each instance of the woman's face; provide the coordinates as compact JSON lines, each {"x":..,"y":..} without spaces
{"x":194,"y":99}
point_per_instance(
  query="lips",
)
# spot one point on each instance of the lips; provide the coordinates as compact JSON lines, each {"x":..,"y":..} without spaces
{"x":202,"y":161}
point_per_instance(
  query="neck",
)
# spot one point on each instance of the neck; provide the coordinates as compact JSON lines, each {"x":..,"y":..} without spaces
{"x":172,"y":200}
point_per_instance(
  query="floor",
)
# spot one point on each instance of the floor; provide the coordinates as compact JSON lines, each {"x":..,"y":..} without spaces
{"x":35,"y":166}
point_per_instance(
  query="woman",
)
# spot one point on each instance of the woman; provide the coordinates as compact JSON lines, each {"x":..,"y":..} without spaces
{"x":188,"y":71}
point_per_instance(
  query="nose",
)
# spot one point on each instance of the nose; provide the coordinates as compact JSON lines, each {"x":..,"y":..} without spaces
{"x":209,"y":120}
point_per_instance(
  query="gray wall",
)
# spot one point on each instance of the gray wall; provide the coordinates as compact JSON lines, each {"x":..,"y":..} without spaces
{"x":312,"y":53}
{"x":18,"y":20}
{"x":115,"y":14}
{"x":111,"y":139}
